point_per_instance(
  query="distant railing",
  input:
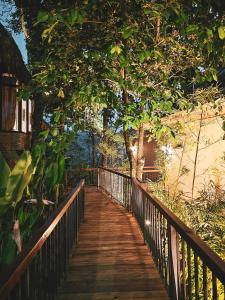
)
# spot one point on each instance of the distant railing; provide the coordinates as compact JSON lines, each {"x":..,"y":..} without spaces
{"x":118,"y":185}
{"x":90,"y":176}
{"x":189,"y":268}
{"x":38,"y":269}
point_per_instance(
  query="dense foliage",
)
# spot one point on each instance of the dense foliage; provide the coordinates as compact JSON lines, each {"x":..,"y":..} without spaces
{"x":136,"y":59}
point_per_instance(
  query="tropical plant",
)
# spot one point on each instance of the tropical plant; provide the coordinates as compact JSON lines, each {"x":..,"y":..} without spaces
{"x":12,"y":186}
{"x":13,"y":183}
{"x":50,"y":152}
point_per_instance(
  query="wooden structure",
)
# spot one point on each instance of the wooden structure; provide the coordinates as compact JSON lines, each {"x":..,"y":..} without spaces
{"x":15,"y":116}
{"x":110,"y":260}
{"x":110,"y":245}
{"x":150,"y":171}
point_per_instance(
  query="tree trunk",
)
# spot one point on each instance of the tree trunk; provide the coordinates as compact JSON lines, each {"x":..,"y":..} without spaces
{"x":22,"y":21}
{"x":37,"y":118}
{"x":128,"y":143}
{"x":140,"y":153}
{"x":106,"y":116}
{"x":93,"y":152}
{"x":130,"y":148}
{"x":196,"y":155}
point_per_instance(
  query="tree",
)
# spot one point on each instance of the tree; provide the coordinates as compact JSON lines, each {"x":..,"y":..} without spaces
{"x":137,"y":57}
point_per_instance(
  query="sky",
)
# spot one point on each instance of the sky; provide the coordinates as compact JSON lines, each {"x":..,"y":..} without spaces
{"x":19,"y":38}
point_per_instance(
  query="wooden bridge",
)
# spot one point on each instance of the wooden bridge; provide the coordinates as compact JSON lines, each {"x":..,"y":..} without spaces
{"x":111,"y":260}
{"x":114,"y":240}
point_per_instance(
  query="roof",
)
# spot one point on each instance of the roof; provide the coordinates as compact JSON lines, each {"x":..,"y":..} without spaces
{"x":183,"y":116}
{"x":11,"y":60}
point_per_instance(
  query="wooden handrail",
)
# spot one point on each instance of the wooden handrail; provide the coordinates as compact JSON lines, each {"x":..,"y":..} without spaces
{"x":115,"y":172}
{"x":214,"y":262}
{"x":83,"y":169}
{"x":166,"y":236}
{"x":14,"y":273}
{"x":202,"y":249}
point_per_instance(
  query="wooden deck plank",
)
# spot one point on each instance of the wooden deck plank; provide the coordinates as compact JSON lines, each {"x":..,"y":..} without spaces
{"x":156,"y":295}
{"x":110,"y":260}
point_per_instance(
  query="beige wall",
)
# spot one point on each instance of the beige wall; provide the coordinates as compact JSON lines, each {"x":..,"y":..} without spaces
{"x":210,"y":160}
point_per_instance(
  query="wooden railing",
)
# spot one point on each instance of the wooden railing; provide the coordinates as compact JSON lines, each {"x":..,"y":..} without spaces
{"x":88,"y":174}
{"x":118,"y":185}
{"x":37,"y":271}
{"x":188,"y":267}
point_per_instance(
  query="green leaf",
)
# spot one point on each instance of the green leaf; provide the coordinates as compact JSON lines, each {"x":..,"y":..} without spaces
{"x":128,"y":32}
{"x":72,"y":17}
{"x":23,"y":95}
{"x":42,"y":16}
{"x":61,"y":168}
{"x":192,"y":29}
{"x":214,"y":74}
{"x":19,"y":178}
{"x":116,"y":50}
{"x":75,"y":16}
{"x":215,"y":77}
{"x":9,"y":250}
{"x":221,"y":32}
{"x":209,"y":33}
{"x":44,"y":133}
{"x":147,"y":11}
{"x":51,"y":175}
{"x":47,"y":32}
{"x":209,"y":47}
{"x":54,"y":132}
{"x":5,"y":172}
{"x":38,"y":150}
{"x":61,"y":93}
{"x":55,"y":174}
{"x":57,"y":116}
{"x":144,"y":55}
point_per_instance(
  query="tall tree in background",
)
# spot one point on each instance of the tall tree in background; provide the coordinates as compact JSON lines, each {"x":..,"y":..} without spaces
{"x":138,"y":56}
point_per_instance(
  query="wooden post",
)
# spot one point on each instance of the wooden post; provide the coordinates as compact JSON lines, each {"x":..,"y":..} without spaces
{"x":174,"y":264}
{"x":98,"y":178}
{"x":143,"y":211}
{"x":19,"y":116}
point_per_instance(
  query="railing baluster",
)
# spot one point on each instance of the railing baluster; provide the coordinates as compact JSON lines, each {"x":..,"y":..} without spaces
{"x":41,"y":265}
{"x":205,"y":283}
{"x":161,"y":245}
{"x":189,"y":273}
{"x":183,"y":267}
{"x":182,"y":259}
{"x":214,"y":287}
{"x":196,"y":277}
{"x":164,"y":252}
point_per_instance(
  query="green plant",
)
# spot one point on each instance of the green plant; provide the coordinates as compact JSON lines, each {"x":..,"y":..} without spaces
{"x":13,"y":183}
{"x":12,"y":186}
{"x":49,"y":177}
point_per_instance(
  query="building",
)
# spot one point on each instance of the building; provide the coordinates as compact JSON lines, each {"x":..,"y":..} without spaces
{"x":150,"y":171}
{"x":15,"y":115}
{"x":195,"y":162}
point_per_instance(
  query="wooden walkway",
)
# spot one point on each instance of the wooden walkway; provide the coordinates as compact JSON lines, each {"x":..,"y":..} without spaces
{"x":110,"y":260}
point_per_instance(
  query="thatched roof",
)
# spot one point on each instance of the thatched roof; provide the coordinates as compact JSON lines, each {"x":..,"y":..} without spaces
{"x":11,"y":60}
